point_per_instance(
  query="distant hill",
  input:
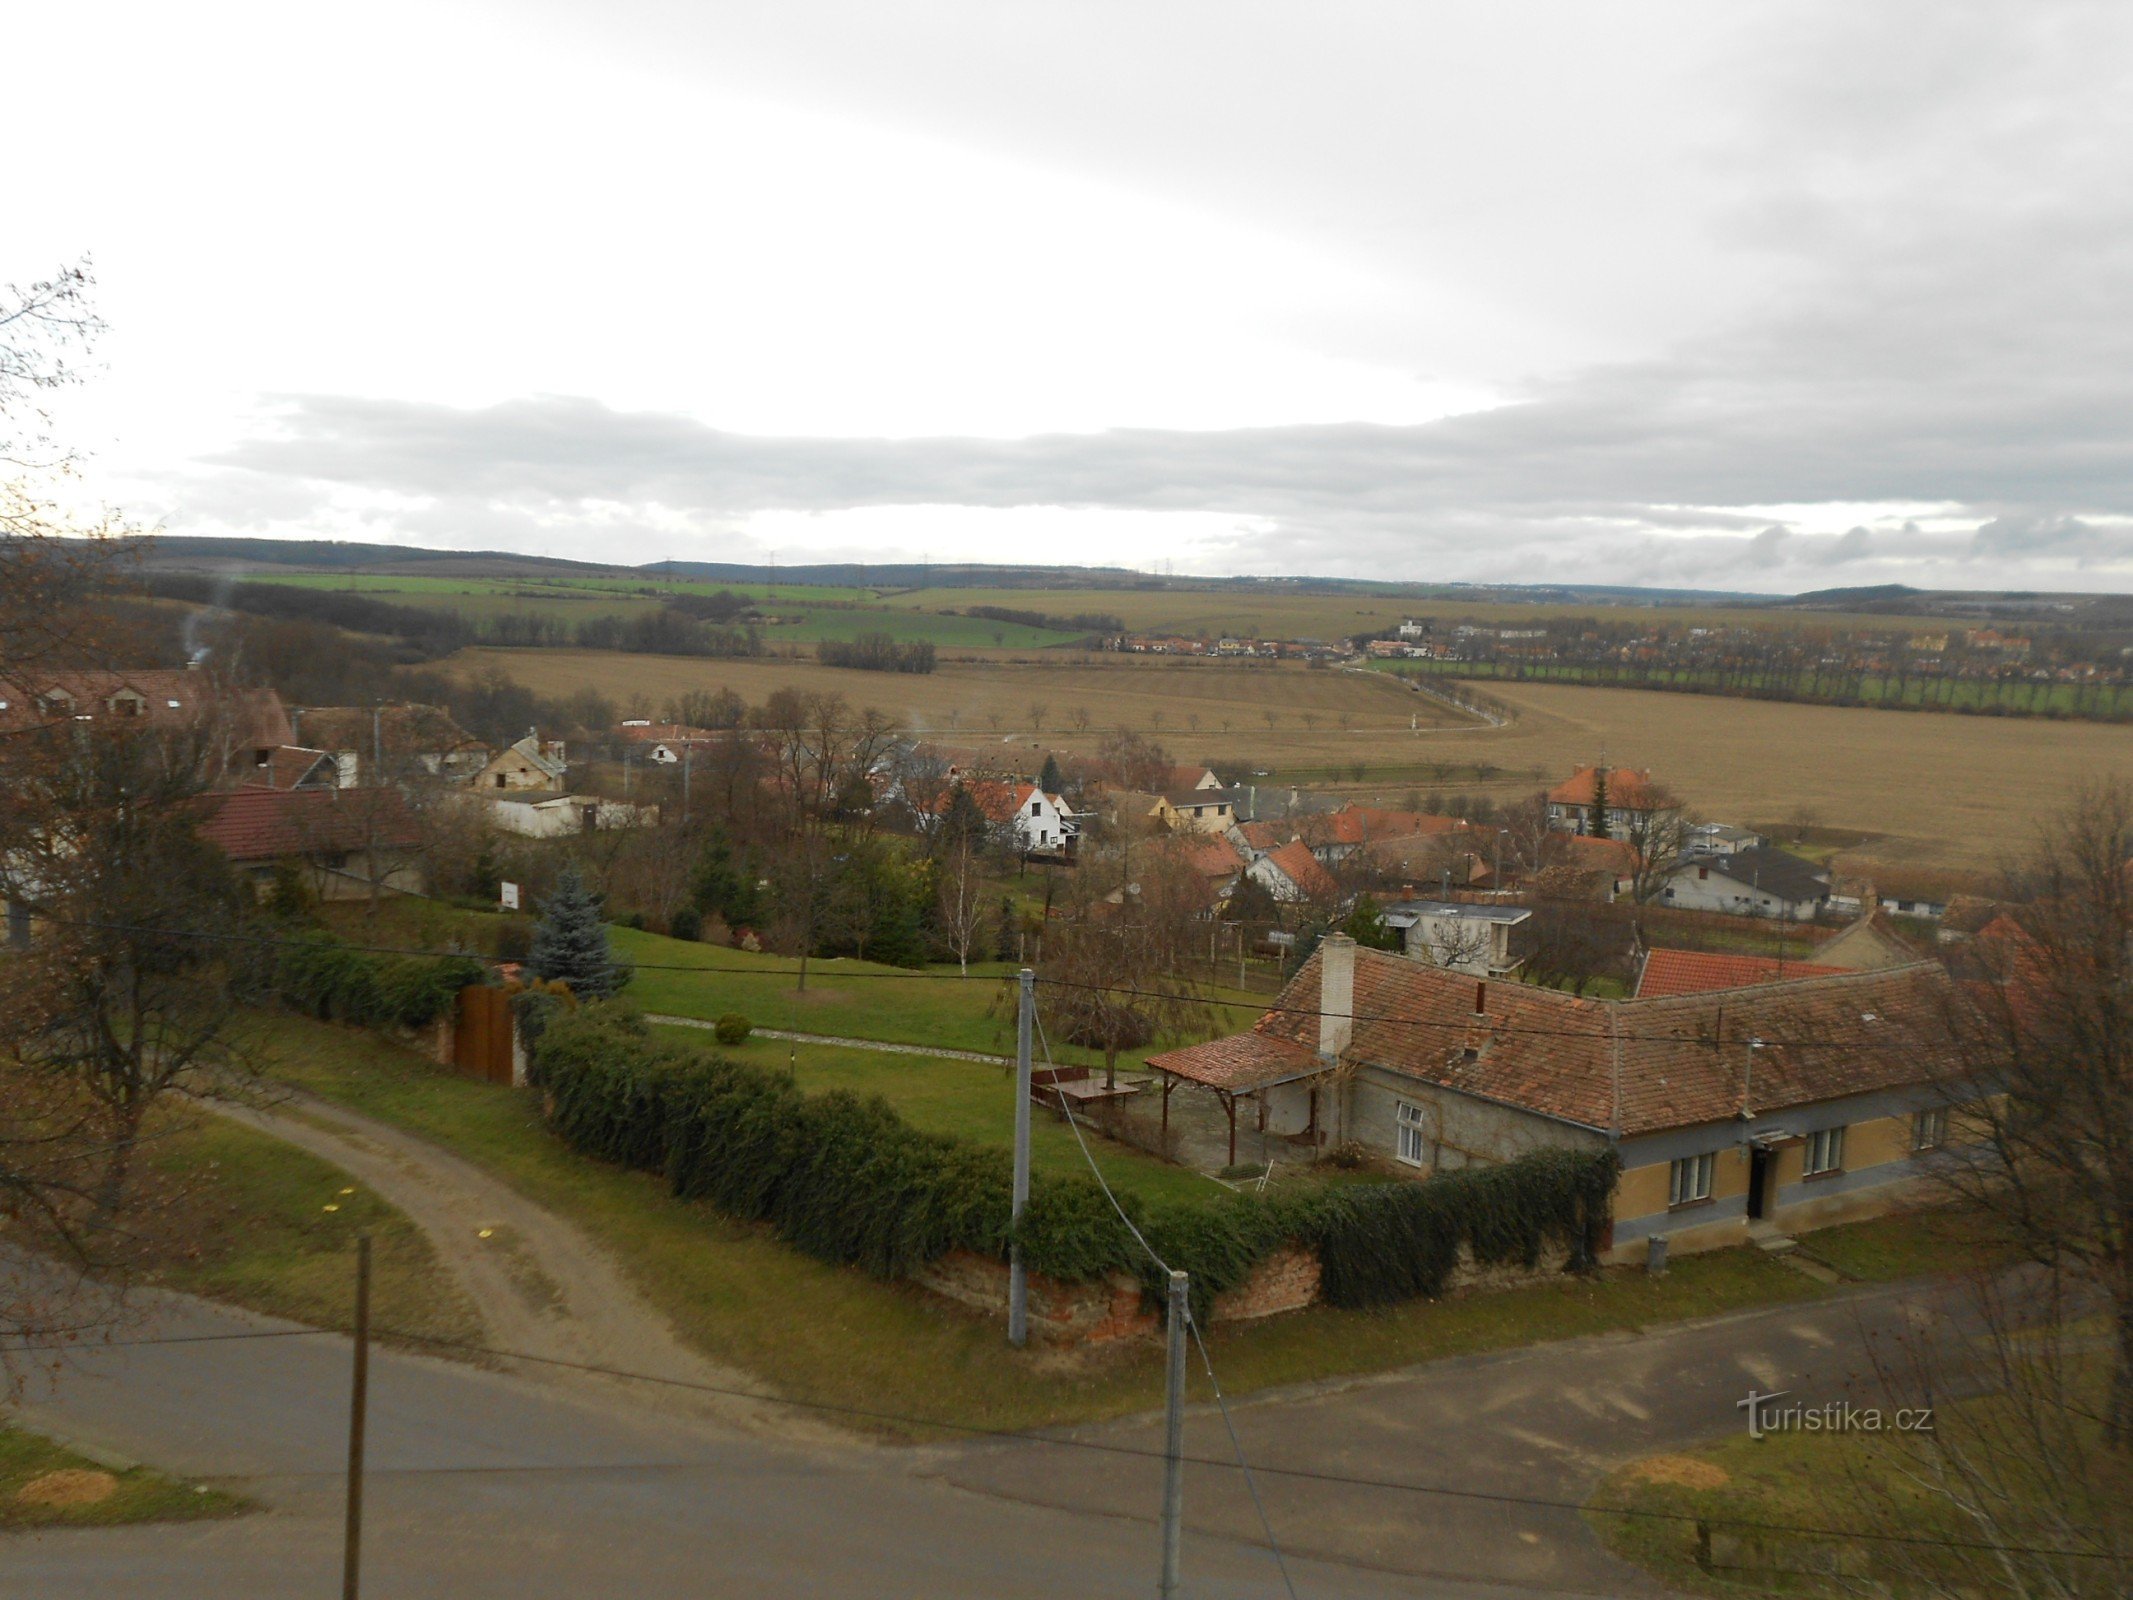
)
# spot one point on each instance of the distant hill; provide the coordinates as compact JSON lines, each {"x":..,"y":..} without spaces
{"x":188,"y":553}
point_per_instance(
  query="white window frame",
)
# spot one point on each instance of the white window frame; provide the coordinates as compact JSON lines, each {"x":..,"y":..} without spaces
{"x":1410,"y":1142}
{"x":1823,"y":1153}
{"x":1689,"y":1179}
{"x":1929,"y":1127}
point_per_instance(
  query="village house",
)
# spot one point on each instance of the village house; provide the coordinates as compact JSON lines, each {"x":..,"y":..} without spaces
{"x":389,"y":743}
{"x":1736,"y":1114}
{"x":1292,"y":875}
{"x":346,"y":840}
{"x":531,"y":763}
{"x":1636,"y":804}
{"x":1718,"y":839}
{"x":1474,"y":939}
{"x":1019,"y":813}
{"x":1201,"y":810}
{"x":1749,"y":883}
{"x":238,"y":728}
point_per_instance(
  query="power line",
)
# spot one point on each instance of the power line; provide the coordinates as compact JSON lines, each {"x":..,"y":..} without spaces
{"x":1029,"y":1436}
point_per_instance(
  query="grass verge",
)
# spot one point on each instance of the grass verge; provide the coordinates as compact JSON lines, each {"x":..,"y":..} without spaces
{"x":45,"y":1485}
{"x":234,"y":1214}
{"x":837,"y":1337}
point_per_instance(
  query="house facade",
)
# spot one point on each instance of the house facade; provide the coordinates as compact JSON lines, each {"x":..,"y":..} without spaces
{"x":1474,"y":939}
{"x":1749,"y":883}
{"x":1635,"y":802}
{"x":1735,"y":1114}
{"x":531,"y":763}
{"x":1293,"y":876}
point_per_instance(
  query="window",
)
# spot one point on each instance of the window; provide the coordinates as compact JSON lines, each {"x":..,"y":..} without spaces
{"x":1825,"y":1151}
{"x":1033,"y":807}
{"x":1929,"y":1128}
{"x":1412,"y":1145}
{"x":1689,"y":1180}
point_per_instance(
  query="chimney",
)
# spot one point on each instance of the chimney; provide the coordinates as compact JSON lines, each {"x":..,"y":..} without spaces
{"x":1336,"y":994}
{"x":1481,"y":1001}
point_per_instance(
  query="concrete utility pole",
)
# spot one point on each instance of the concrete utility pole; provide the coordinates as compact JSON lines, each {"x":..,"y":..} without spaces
{"x":1017,"y":1273}
{"x":1174,"y":1434}
{"x":358,"y":1404}
{"x":688,"y":760}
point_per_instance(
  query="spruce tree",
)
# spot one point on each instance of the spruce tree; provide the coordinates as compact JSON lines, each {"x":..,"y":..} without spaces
{"x":570,"y":942}
{"x":1049,"y":779}
{"x":1599,"y":802}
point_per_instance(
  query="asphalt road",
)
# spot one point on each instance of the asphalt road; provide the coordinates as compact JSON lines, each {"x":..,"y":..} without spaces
{"x":492,"y":1483}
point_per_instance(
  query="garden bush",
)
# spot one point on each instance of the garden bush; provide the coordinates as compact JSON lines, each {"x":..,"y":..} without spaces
{"x":333,"y":981}
{"x":845,"y":1179}
{"x":732,"y":1029}
{"x":688,"y":923}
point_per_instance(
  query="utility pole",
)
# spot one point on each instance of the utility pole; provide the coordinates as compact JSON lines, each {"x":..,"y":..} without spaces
{"x":1017,"y":1273}
{"x":1174,"y":1434}
{"x":688,"y":761}
{"x":352,"y":1547}
{"x":370,"y":801}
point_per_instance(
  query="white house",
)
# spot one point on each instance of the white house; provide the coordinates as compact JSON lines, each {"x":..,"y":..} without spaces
{"x":1464,"y":938}
{"x":1749,"y":883}
{"x":552,"y":815}
{"x":532,"y":763}
{"x":1039,"y":823}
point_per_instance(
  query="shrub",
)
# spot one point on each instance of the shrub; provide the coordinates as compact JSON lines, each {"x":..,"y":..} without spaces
{"x":732,"y":1029}
{"x":514,"y":938}
{"x":688,"y":924}
{"x":338,"y":982}
{"x":847,"y":1180}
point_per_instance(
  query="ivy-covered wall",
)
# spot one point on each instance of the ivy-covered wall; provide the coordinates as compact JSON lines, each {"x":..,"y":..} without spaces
{"x":847,"y":1180}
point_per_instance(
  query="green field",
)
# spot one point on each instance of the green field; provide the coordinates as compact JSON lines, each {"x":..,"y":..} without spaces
{"x":806,"y":614}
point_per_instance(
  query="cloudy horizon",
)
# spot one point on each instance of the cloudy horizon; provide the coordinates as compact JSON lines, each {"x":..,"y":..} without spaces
{"x":1776,"y":298}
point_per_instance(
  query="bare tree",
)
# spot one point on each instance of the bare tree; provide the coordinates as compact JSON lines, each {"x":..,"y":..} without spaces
{"x":1118,"y":972}
{"x":1657,"y":834}
{"x":963,"y":901}
{"x":1038,"y":711}
{"x":1079,"y":719}
{"x":2047,"y":1020}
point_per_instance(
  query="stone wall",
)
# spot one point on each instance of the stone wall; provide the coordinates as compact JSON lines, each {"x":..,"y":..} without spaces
{"x":1100,"y":1313}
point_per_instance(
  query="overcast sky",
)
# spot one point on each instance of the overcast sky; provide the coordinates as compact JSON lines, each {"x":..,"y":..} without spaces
{"x":1737,"y":296}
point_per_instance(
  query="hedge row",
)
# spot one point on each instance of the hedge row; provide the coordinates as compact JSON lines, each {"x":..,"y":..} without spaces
{"x":335,"y":981}
{"x":847,"y":1180}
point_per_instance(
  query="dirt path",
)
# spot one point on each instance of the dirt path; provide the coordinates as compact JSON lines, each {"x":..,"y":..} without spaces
{"x":540,"y":1285}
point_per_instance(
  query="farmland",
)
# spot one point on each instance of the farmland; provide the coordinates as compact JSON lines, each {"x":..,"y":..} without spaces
{"x":1935,"y":787}
{"x":1187,"y":703}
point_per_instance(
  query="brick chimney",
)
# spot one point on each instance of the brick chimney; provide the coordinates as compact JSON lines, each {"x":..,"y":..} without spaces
{"x":1336,"y":994}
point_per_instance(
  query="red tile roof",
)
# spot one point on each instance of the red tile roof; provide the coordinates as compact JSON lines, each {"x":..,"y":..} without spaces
{"x":1301,"y":868}
{"x":1209,"y":854}
{"x":1240,"y":1063}
{"x":1699,"y":971}
{"x":252,"y":825}
{"x":1266,"y":835}
{"x":1629,"y":787}
{"x":1637,"y":1066}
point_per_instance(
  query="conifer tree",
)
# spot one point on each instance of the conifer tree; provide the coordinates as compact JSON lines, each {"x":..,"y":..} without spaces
{"x":1049,"y":779}
{"x":1599,"y":802}
{"x":570,"y":943}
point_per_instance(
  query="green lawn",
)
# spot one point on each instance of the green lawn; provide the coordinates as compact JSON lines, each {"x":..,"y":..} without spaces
{"x":229,"y":1212}
{"x":93,"y":1496}
{"x":862,"y":999}
{"x":1914,"y":1245}
{"x":968,"y":1099}
{"x":836,"y":1336}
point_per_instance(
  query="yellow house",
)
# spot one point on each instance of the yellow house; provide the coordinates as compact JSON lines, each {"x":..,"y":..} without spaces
{"x":1736,"y":1113}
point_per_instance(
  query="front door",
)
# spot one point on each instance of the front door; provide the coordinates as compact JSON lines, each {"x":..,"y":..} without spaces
{"x":1758,"y":1172}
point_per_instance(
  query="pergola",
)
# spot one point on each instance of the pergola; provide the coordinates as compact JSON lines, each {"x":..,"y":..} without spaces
{"x":1237,"y":1068}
